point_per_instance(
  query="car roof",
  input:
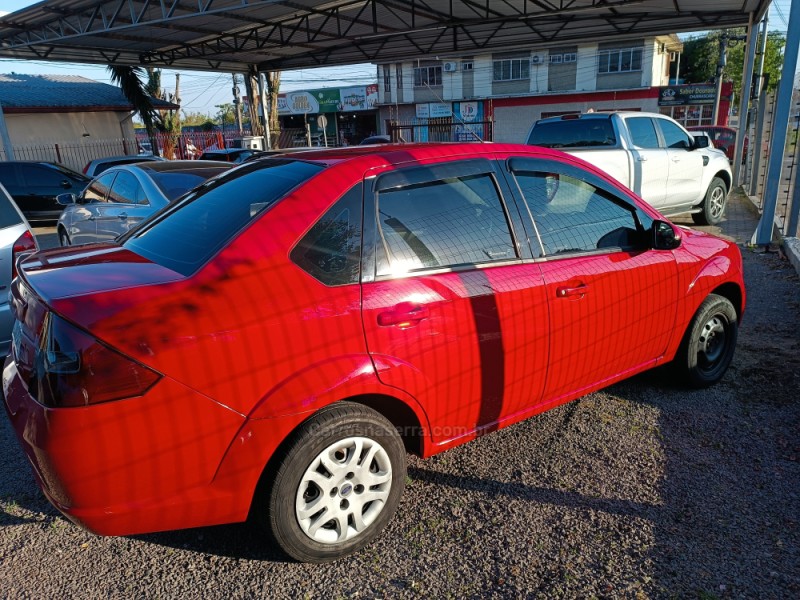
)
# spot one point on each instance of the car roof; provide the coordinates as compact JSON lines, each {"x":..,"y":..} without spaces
{"x":165,"y":166}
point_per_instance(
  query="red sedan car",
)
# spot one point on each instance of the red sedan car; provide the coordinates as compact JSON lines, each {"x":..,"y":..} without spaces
{"x":274,"y":343}
{"x":723,"y":138}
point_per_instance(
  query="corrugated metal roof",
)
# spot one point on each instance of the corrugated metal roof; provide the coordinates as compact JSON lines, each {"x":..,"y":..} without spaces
{"x":229,"y":35}
{"x":27,"y":92}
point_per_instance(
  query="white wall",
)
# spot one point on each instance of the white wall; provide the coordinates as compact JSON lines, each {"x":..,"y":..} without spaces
{"x":482,"y":69}
{"x":586,"y":78}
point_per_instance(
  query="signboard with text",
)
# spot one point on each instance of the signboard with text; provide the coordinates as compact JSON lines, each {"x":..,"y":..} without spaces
{"x":328,"y":100}
{"x":685,"y":95}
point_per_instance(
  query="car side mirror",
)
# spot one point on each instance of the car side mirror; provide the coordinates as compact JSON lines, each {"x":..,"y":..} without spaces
{"x":66,"y":199}
{"x":665,"y":236}
{"x":701,"y":141}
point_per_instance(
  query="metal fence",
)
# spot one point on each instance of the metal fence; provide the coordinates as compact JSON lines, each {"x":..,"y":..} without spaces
{"x":74,"y":155}
{"x":440,"y":130}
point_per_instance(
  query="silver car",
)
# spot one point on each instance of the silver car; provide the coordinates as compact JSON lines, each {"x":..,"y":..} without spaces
{"x":15,"y":239}
{"x":123,"y":196}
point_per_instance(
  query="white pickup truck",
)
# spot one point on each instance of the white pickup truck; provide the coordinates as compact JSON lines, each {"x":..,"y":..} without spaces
{"x":649,"y":153}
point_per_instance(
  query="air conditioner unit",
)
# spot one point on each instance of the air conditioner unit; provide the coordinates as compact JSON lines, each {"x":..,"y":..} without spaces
{"x":536,"y":59}
{"x":449,"y":67}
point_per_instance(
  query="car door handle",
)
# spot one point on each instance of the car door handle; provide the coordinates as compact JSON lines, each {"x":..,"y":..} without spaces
{"x":122,"y":216}
{"x":569,"y":292}
{"x":405,"y":314}
{"x":92,"y":218}
{"x":642,"y":158}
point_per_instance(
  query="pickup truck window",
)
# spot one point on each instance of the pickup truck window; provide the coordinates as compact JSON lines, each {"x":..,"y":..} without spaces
{"x":573,"y":133}
{"x":643,"y":132}
{"x":674,"y":136}
{"x":576,"y":216}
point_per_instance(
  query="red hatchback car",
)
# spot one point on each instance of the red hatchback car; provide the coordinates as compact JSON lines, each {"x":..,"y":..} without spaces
{"x":275,"y":342}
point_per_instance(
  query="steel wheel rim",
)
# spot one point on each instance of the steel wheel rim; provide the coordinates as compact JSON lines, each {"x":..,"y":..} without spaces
{"x":712,"y":342}
{"x":717,"y":202}
{"x":343,"y":490}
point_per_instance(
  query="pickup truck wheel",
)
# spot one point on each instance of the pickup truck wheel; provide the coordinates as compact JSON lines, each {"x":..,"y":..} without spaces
{"x":714,"y":204}
{"x":708,"y":345}
{"x":336,"y":486}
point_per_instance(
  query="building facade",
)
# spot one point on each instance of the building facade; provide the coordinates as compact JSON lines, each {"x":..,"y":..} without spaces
{"x":500,"y":95}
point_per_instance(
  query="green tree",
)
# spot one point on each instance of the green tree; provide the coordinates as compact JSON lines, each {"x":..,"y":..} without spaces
{"x":225,"y":114}
{"x":701,"y":55}
{"x":196,"y":119}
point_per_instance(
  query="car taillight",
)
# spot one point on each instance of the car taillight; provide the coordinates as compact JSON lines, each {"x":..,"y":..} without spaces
{"x":75,"y":369}
{"x":24,"y":244}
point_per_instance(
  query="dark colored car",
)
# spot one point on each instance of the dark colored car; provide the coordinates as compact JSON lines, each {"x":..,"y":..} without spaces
{"x":99,"y":165}
{"x":723,"y":138}
{"x":35,"y":185}
{"x":376,"y":139}
{"x":123,"y":196}
{"x":275,"y":341}
{"x":231,"y":155}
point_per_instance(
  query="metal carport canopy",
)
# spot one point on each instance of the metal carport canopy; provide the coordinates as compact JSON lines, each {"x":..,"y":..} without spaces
{"x":230,"y":35}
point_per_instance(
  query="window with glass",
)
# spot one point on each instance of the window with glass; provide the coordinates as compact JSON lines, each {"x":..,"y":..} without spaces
{"x":98,"y":190}
{"x":643,"y":132}
{"x":556,"y":58}
{"x":572,"y":215}
{"x":445,"y":223}
{"x":331,"y":250}
{"x":674,"y":136}
{"x":427,"y":76}
{"x":511,"y":69}
{"x":398,"y":71}
{"x":623,"y":60}
{"x":127,"y":190}
{"x":467,"y":65}
{"x":387,"y":79}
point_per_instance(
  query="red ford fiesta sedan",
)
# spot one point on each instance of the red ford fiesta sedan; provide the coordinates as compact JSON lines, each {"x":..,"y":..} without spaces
{"x":275,"y":342}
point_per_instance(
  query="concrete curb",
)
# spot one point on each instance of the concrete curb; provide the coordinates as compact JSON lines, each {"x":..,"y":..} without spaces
{"x":791,"y":247}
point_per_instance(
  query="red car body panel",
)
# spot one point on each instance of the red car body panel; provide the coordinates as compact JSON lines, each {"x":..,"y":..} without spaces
{"x":251,"y":345}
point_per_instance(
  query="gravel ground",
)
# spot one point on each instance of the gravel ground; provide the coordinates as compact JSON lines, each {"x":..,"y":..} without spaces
{"x":642,"y":490}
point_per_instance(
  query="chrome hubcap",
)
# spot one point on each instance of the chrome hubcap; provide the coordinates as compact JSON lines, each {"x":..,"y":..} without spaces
{"x":343,"y":490}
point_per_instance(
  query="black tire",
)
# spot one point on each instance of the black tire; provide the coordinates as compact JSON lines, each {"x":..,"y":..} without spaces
{"x":340,"y":490}
{"x":63,"y":238}
{"x":714,"y":204}
{"x":708,"y":346}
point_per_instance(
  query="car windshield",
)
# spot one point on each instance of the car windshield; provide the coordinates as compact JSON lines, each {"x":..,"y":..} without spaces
{"x":572,"y":133}
{"x":185,"y":235}
{"x":174,"y":183}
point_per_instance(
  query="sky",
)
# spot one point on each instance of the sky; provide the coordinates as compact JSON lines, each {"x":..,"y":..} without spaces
{"x":202,"y":91}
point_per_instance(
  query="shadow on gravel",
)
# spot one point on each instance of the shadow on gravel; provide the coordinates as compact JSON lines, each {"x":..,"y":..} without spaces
{"x":240,"y":541}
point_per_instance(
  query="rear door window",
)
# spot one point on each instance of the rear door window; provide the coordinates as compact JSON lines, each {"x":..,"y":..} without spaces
{"x":449,"y":222}
{"x":643,"y":132}
{"x":574,"y":133}
{"x":9,"y":175}
{"x":188,"y":233}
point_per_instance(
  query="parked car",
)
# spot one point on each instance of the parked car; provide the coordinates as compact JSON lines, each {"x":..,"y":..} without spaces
{"x":123,"y":196}
{"x":95,"y":167}
{"x":723,"y":138}
{"x":231,"y":155}
{"x":15,"y":239}
{"x":651,"y":154}
{"x":35,"y":185}
{"x":272,"y":343}
{"x":376,"y":139}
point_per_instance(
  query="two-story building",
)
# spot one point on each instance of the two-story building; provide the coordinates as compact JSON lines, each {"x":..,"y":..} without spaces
{"x":461,"y":97}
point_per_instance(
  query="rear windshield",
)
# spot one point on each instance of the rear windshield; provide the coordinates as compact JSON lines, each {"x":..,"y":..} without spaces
{"x":8,"y":214}
{"x":185,"y":235}
{"x":573,"y":133}
{"x":173,"y":183}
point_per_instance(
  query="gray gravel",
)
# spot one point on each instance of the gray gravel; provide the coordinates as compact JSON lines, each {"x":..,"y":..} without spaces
{"x":642,"y":490}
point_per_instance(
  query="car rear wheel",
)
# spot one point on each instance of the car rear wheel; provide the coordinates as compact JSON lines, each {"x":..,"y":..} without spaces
{"x":336,"y":486}
{"x":709,"y":343}
{"x":714,"y":203}
{"x":63,"y":238}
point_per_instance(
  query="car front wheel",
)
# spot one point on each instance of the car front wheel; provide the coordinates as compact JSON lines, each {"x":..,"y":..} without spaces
{"x":709,"y":343}
{"x":63,"y":238}
{"x":714,"y":204}
{"x":336,"y":486}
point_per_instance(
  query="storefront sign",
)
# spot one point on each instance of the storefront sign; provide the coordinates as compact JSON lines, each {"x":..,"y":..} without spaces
{"x":328,"y":100}
{"x":439,"y":110}
{"x":684,"y":95}
{"x":466,"y":115}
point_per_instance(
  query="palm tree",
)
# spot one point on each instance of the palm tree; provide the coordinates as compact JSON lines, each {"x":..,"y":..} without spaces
{"x":129,"y":79}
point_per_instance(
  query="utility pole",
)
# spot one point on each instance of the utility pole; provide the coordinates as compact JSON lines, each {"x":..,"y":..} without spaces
{"x":723,"y":60}
{"x":237,"y":104}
